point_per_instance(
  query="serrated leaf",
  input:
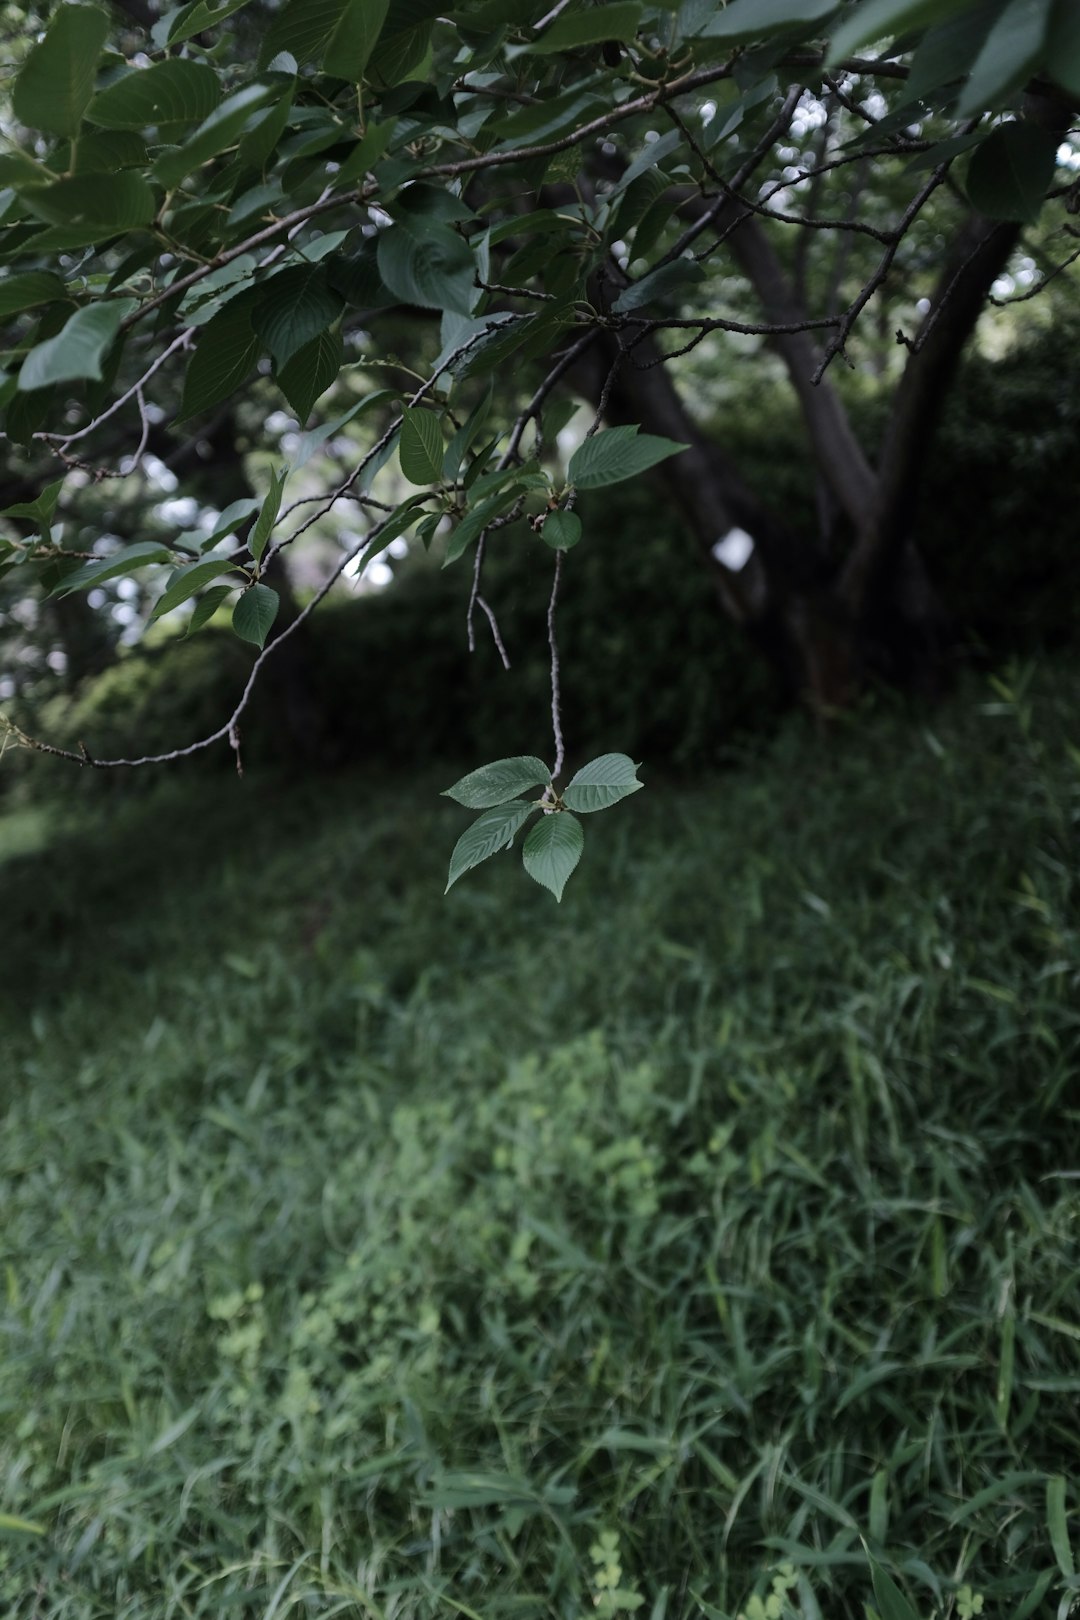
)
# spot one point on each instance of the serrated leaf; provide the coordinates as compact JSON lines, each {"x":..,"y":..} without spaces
{"x":561,"y":530}
{"x":124,"y":561}
{"x":187,"y":582}
{"x":746,"y":20}
{"x":659,"y":283}
{"x":422,"y":261}
{"x":90,"y":207}
{"x":1009,"y":52}
{"x":1009,"y":173}
{"x":79,"y":347}
{"x":421,"y":446}
{"x":221,"y":130}
{"x":27,"y":291}
{"x":311,"y":371}
{"x":475,"y":522}
{"x":616,"y":454}
{"x":1063,"y":46}
{"x":254,"y":614}
{"x":601,"y":783}
{"x":553,"y":849}
{"x":226,"y":351}
{"x":499,"y":782}
{"x":42,"y":508}
{"x":303,"y":28}
{"x":494,"y":830}
{"x":206,"y":607}
{"x":466,"y":435}
{"x":406,"y":515}
{"x":885,"y":19}
{"x":398,"y":54}
{"x":171,"y":92}
{"x":353,"y":40}
{"x":201,"y":14}
{"x":293,"y":308}
{"x":56,"y":81}
{"x":263,"y":526}
{"x":619,"y":21}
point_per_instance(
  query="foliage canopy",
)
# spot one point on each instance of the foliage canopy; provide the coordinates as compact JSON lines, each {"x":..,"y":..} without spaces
{"x":545,"y":204}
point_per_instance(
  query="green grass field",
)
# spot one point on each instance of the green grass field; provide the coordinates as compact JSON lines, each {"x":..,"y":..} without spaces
{"x":706,"y":1246}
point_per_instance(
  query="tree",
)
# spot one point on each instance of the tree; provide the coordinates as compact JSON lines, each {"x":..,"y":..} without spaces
{"x":544,"y":204}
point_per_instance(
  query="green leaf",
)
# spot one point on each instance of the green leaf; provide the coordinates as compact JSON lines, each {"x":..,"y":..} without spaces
{"x":489,"y":833}
{"x":422,"y":261}
{"x":659,"y":283}
{"x":187,"y":582}
{"x":421,"y":446}
{"x":1058,"y":1525}
{"x":303,"y":28}
{"x":221,"y":130}
{"x":407,"y":514}
{"x":56,"y":81}
{"x":89,"y":207}
{"x":170,"y":92}
{"x":257,"y":145}
{"x":206,"y":607}
{"x":254,"y":613}
{"x":353,"y":40}
{"x":268,"y":514}
{"x":1013,"y":47}
{"x":78,"y":348}
{"x":601,"y":783}
{"x":1063,"y":45}
{"x":746,"y":20}
{"x":124,"y":561}
{"x":475,"y":522}
{"x":498,"y":782}
{"x":561,"y":530}
{"x":365,"y":154}
{"x":466,"y":435}
{"x":553,"y":849}
{"x":104,"y":151}
{"x":311,"y":371}
{"x":1009,"y":173}
{"x":885,"y":19}
{"x":41,"y":509}
{"x":200,"y":15}
{"x":891,"y":1602}
{"x":398,"y":54}
{"x":11,"y":1524}
{"x":616,"y":454}
{"x":614,"y":21}
{"x":293,"y":308}
{"x":226,"y":351}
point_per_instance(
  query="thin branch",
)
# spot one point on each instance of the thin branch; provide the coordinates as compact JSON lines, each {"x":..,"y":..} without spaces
{"x":556,"y":692}
{"x":134,"y":392}
{"x":494,"y":623}
{"x":739,"y":179}
{"x":856,"y":307}
{"x":1033,"y":292}
{"x":228,"y":730}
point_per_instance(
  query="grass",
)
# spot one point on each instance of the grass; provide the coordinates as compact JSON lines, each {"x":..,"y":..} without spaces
{"x":706,"y":1246}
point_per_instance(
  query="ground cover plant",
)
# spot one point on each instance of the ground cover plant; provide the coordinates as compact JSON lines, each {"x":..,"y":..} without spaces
{"x":704,"y":1247}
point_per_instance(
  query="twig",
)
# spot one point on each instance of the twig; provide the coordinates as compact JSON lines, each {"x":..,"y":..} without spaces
{"x":556,"y":694}
{"x":229,"y":727}
{"x":550,"y":16}
{"x":494,"y":623}
{"x":856,"y":307}
{"x":62,"y":441}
